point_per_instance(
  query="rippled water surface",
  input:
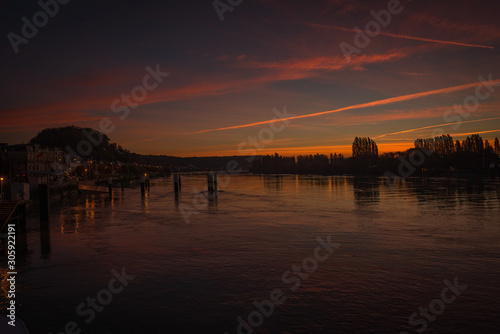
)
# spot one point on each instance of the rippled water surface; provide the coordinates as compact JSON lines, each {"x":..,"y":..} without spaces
{"x":199,"y":274}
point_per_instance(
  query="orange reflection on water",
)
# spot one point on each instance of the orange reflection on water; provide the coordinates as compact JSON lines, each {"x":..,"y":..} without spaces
{"x":90,"y":208}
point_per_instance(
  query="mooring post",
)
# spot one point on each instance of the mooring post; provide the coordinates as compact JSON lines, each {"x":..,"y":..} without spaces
{"x":210,"y":182}
{"x":44,"y":203}
{"x":143,"y":190}
{"x":110,"y":186}
{"x":78,"y":185}
{"x":176,"y":183}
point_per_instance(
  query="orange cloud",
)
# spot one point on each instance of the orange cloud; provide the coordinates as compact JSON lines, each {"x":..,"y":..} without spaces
{"x":293,"y":69}
{"x":333,"y":63}
{"x":52,"y":113}
{"x":414,"y":74}
{"x":480,"y":31}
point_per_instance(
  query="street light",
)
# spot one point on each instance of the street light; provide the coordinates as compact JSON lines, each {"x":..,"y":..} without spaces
{"x":1,"y":188}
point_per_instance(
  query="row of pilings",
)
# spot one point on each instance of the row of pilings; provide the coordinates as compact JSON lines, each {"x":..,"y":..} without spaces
{"x":44,"y":197}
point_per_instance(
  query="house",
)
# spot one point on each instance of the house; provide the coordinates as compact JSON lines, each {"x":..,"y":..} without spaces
{"x":33,"y":164}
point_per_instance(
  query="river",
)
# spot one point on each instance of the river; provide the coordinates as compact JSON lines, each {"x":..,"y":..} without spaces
{"x":430,"y":246}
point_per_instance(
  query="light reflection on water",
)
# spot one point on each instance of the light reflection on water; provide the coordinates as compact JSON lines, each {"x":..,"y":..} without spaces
{"x":397,"y":246}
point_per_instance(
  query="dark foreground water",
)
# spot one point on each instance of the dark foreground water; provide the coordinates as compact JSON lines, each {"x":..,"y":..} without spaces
{"x":198,"y":275}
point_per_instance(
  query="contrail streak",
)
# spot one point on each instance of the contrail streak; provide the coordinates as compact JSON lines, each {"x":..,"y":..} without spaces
{"x":433,"y":126}
{"x":422,"y":39}
{"x":365,"y":105}
{"x":388,"y":34}
{"x":436,"y":40}
{"x":474,"y":133}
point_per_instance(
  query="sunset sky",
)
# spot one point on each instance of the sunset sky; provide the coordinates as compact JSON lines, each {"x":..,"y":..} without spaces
{"x":226,"y":77}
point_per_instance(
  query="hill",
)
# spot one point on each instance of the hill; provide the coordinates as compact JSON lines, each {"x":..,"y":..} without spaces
{"x":106,"y":151}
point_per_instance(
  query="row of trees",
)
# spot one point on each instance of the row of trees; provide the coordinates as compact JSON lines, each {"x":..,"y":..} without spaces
{"x":445,"y":146}
{"x":302,"y":164}
{"x":442,"y":154}
{"x":473,"y":154}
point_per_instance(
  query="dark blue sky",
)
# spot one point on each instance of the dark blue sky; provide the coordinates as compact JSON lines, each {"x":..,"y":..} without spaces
{"x":264,"y":55}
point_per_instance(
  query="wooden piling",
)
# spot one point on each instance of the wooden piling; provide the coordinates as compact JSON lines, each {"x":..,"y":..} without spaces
{"x":143,"y":189}
{"x":176,"y":184}
{"x":210,"y":183}
{"x":110,"y":186}
{"x":215,"y":183}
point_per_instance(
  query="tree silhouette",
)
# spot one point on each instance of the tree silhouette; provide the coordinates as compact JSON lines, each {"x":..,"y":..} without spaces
{"x":364,"y":147}
{"x":488,"y":149}
{"x":474,"y":144}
